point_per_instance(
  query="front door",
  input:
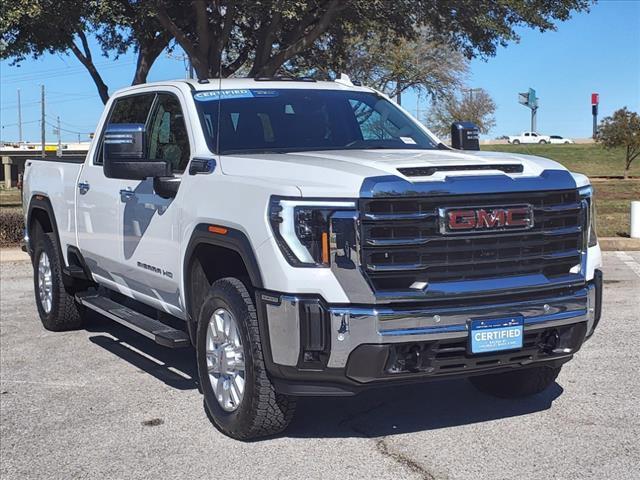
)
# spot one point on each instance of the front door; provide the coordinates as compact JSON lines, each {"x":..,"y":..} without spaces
{"x":98,"y":197}
{"x":150,"y":224}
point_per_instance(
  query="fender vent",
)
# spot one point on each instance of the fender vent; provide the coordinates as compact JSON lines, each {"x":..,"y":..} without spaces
{"x":428,"y":171}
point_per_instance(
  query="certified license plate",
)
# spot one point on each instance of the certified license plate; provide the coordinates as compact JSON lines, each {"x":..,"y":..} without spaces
{"x":494,"y":335}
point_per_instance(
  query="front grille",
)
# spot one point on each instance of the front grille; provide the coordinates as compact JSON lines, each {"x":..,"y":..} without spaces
{"x":402,"y":243}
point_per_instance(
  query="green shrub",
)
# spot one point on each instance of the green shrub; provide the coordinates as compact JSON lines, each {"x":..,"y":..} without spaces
{"x":11,"y":226}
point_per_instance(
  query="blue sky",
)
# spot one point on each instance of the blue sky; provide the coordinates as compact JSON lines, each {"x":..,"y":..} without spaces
{"x":593,"y":52}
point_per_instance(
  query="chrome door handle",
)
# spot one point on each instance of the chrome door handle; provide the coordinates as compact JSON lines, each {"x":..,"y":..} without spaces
{"x":83,"y":187}
{"x":126,"y":195}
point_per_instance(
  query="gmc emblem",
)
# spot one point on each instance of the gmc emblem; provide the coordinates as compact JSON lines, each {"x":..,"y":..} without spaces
{"x":466,"y":219}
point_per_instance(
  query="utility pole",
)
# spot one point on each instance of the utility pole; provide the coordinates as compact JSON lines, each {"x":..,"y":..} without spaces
{"x":470,"y":91}
{"x":42,"y":125}
{"x":19,"y":118}
{"x":58,"y":131}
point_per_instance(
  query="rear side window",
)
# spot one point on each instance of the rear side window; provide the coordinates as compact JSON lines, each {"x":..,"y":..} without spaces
{"x":132,"y":109}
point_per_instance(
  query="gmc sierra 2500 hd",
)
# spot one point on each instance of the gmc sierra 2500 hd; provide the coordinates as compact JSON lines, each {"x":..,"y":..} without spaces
{"x":312,"y":238}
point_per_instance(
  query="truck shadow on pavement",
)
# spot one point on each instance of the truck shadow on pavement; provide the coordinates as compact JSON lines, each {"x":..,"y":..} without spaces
{"x":373,"y":413}
{"x":176,"y":368}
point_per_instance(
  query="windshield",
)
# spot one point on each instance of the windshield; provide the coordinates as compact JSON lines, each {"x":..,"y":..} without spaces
{"x":294,"y":120}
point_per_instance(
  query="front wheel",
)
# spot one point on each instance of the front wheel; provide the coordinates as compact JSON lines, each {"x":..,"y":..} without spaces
{"x":238,"y":395}
{"x":516,"y":142}
{"x":542,"y":142}
{"x":516,"y":384}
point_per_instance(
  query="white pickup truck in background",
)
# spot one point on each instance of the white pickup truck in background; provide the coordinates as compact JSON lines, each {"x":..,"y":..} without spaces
{"x":529,"y":137}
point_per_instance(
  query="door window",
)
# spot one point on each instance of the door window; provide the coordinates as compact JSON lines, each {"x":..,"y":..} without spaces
{"x":167,"y":133}
{"x":131,"y":109}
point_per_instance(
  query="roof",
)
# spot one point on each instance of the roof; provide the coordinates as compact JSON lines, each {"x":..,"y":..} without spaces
{"x":252,"y":83}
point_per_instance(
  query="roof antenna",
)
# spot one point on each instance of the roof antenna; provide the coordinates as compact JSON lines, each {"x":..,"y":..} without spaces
{"x":344,"y":79}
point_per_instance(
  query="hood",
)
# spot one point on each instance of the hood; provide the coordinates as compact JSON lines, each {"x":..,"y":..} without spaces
{"x":342,"y":173}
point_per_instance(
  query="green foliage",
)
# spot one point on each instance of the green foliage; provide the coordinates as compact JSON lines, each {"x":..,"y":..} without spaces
{"x":260,"y":38}
{"x":622,"y":129}
{"x":477,"y":106}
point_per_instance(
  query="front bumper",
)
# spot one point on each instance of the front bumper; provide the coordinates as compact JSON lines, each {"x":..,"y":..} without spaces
{"x":312,"y":348}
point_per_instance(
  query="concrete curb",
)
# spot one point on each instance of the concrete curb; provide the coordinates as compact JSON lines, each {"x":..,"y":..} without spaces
{"x":619,"y":244}
{"x":13,"y":254}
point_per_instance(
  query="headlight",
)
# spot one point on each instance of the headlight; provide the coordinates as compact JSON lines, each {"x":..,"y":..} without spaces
{"x":302,"y":229}
{"x":586,"y":194}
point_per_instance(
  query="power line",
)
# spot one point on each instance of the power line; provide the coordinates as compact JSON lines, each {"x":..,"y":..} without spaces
{"x":34,"y":76}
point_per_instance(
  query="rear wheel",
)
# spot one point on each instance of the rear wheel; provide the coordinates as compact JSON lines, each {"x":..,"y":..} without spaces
{"x":519,"y":383}
{"x":57,"y":308}
{"x":239,"y":397}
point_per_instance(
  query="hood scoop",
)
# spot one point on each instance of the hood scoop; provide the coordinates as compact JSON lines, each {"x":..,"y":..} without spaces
{"x":428,"y":171}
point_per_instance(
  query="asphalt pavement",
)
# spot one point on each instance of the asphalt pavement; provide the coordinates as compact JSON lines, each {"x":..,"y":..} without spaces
{"x":106,"y":403}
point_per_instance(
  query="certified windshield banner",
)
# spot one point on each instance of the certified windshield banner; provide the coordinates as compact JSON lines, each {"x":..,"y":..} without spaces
{"x":211,"y":95}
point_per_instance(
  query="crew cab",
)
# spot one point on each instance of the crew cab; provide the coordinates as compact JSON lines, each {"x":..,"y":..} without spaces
{"x":529,"y":137}
{"x":312,"y":238}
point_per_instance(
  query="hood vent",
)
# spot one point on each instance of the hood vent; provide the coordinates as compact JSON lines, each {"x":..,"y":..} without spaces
{"x":428,"y":171}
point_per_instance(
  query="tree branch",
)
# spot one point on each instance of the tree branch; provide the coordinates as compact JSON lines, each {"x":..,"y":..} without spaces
{"x":304,"y":41}
{"x":103,"y":90}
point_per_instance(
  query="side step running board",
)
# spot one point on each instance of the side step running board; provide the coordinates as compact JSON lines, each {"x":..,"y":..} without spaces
{"x":157,"y":331}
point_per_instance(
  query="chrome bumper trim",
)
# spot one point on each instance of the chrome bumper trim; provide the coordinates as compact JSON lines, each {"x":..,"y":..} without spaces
{"x":354,"y":326}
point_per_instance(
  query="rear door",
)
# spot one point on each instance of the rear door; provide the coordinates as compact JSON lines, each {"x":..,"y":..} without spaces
{"x":98,"y":197}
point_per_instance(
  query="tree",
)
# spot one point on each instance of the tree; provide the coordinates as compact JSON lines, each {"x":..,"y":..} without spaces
{"x":31,"y":28}
{"x":221,"y":36}
{"x":476,"y":106}
{"x":390,"y":64}
{"x":622,"y":129}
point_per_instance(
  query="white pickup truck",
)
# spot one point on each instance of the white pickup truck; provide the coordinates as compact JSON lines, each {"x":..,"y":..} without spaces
{"x":529,"y":137}
{"x":312,"y":238}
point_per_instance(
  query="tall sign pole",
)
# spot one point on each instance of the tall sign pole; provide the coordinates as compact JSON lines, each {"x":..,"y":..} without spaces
{"x":595,"y":100}
{"x":530,"y":99}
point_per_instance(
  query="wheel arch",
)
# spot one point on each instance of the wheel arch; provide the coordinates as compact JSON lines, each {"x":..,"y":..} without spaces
{"x":41,"y":211}
{"x":200,"y":270}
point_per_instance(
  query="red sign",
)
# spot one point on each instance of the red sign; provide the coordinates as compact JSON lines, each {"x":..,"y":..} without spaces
{"x":595,"y":99}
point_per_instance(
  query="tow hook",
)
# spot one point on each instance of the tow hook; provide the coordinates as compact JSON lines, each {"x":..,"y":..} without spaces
{"x":550,"y":342}
{"x":412,"y":361}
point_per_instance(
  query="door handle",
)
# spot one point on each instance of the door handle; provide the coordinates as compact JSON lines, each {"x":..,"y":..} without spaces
{"x":83,"y":187}
{"x":126,"y":195}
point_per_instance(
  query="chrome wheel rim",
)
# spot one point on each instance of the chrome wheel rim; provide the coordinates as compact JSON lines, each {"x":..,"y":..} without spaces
{"x":45,"y":283}
{"x":225,"y":359}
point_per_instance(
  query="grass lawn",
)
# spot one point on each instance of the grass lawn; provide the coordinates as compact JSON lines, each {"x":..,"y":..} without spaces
{"x":613,"y":196}
{"x":589,"y":159}
{"x":10,"y":198}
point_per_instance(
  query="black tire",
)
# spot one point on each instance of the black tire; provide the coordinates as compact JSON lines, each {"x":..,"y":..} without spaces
{"x":64,"y":313}
{"x":516,"y":142}
{"x":516,"y":384}
{"x":262,"y":411}
{"x":542,"y":142}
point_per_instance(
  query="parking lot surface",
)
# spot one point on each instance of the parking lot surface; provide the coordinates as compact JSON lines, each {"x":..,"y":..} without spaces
{"x":106,"y":403}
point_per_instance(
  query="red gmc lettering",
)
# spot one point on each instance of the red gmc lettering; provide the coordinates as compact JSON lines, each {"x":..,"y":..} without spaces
{"x":491,"y":220}
{"x":520,"y":222}
{"x":462,"y":219}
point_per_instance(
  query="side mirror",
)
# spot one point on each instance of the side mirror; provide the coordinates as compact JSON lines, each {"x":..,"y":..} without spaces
{"x":124,"y":150}
{"x":465,"y":136}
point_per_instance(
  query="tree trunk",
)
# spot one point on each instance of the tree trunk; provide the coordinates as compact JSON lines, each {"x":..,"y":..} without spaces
{"x":147,"y":55}
{"x":103,"y":90}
